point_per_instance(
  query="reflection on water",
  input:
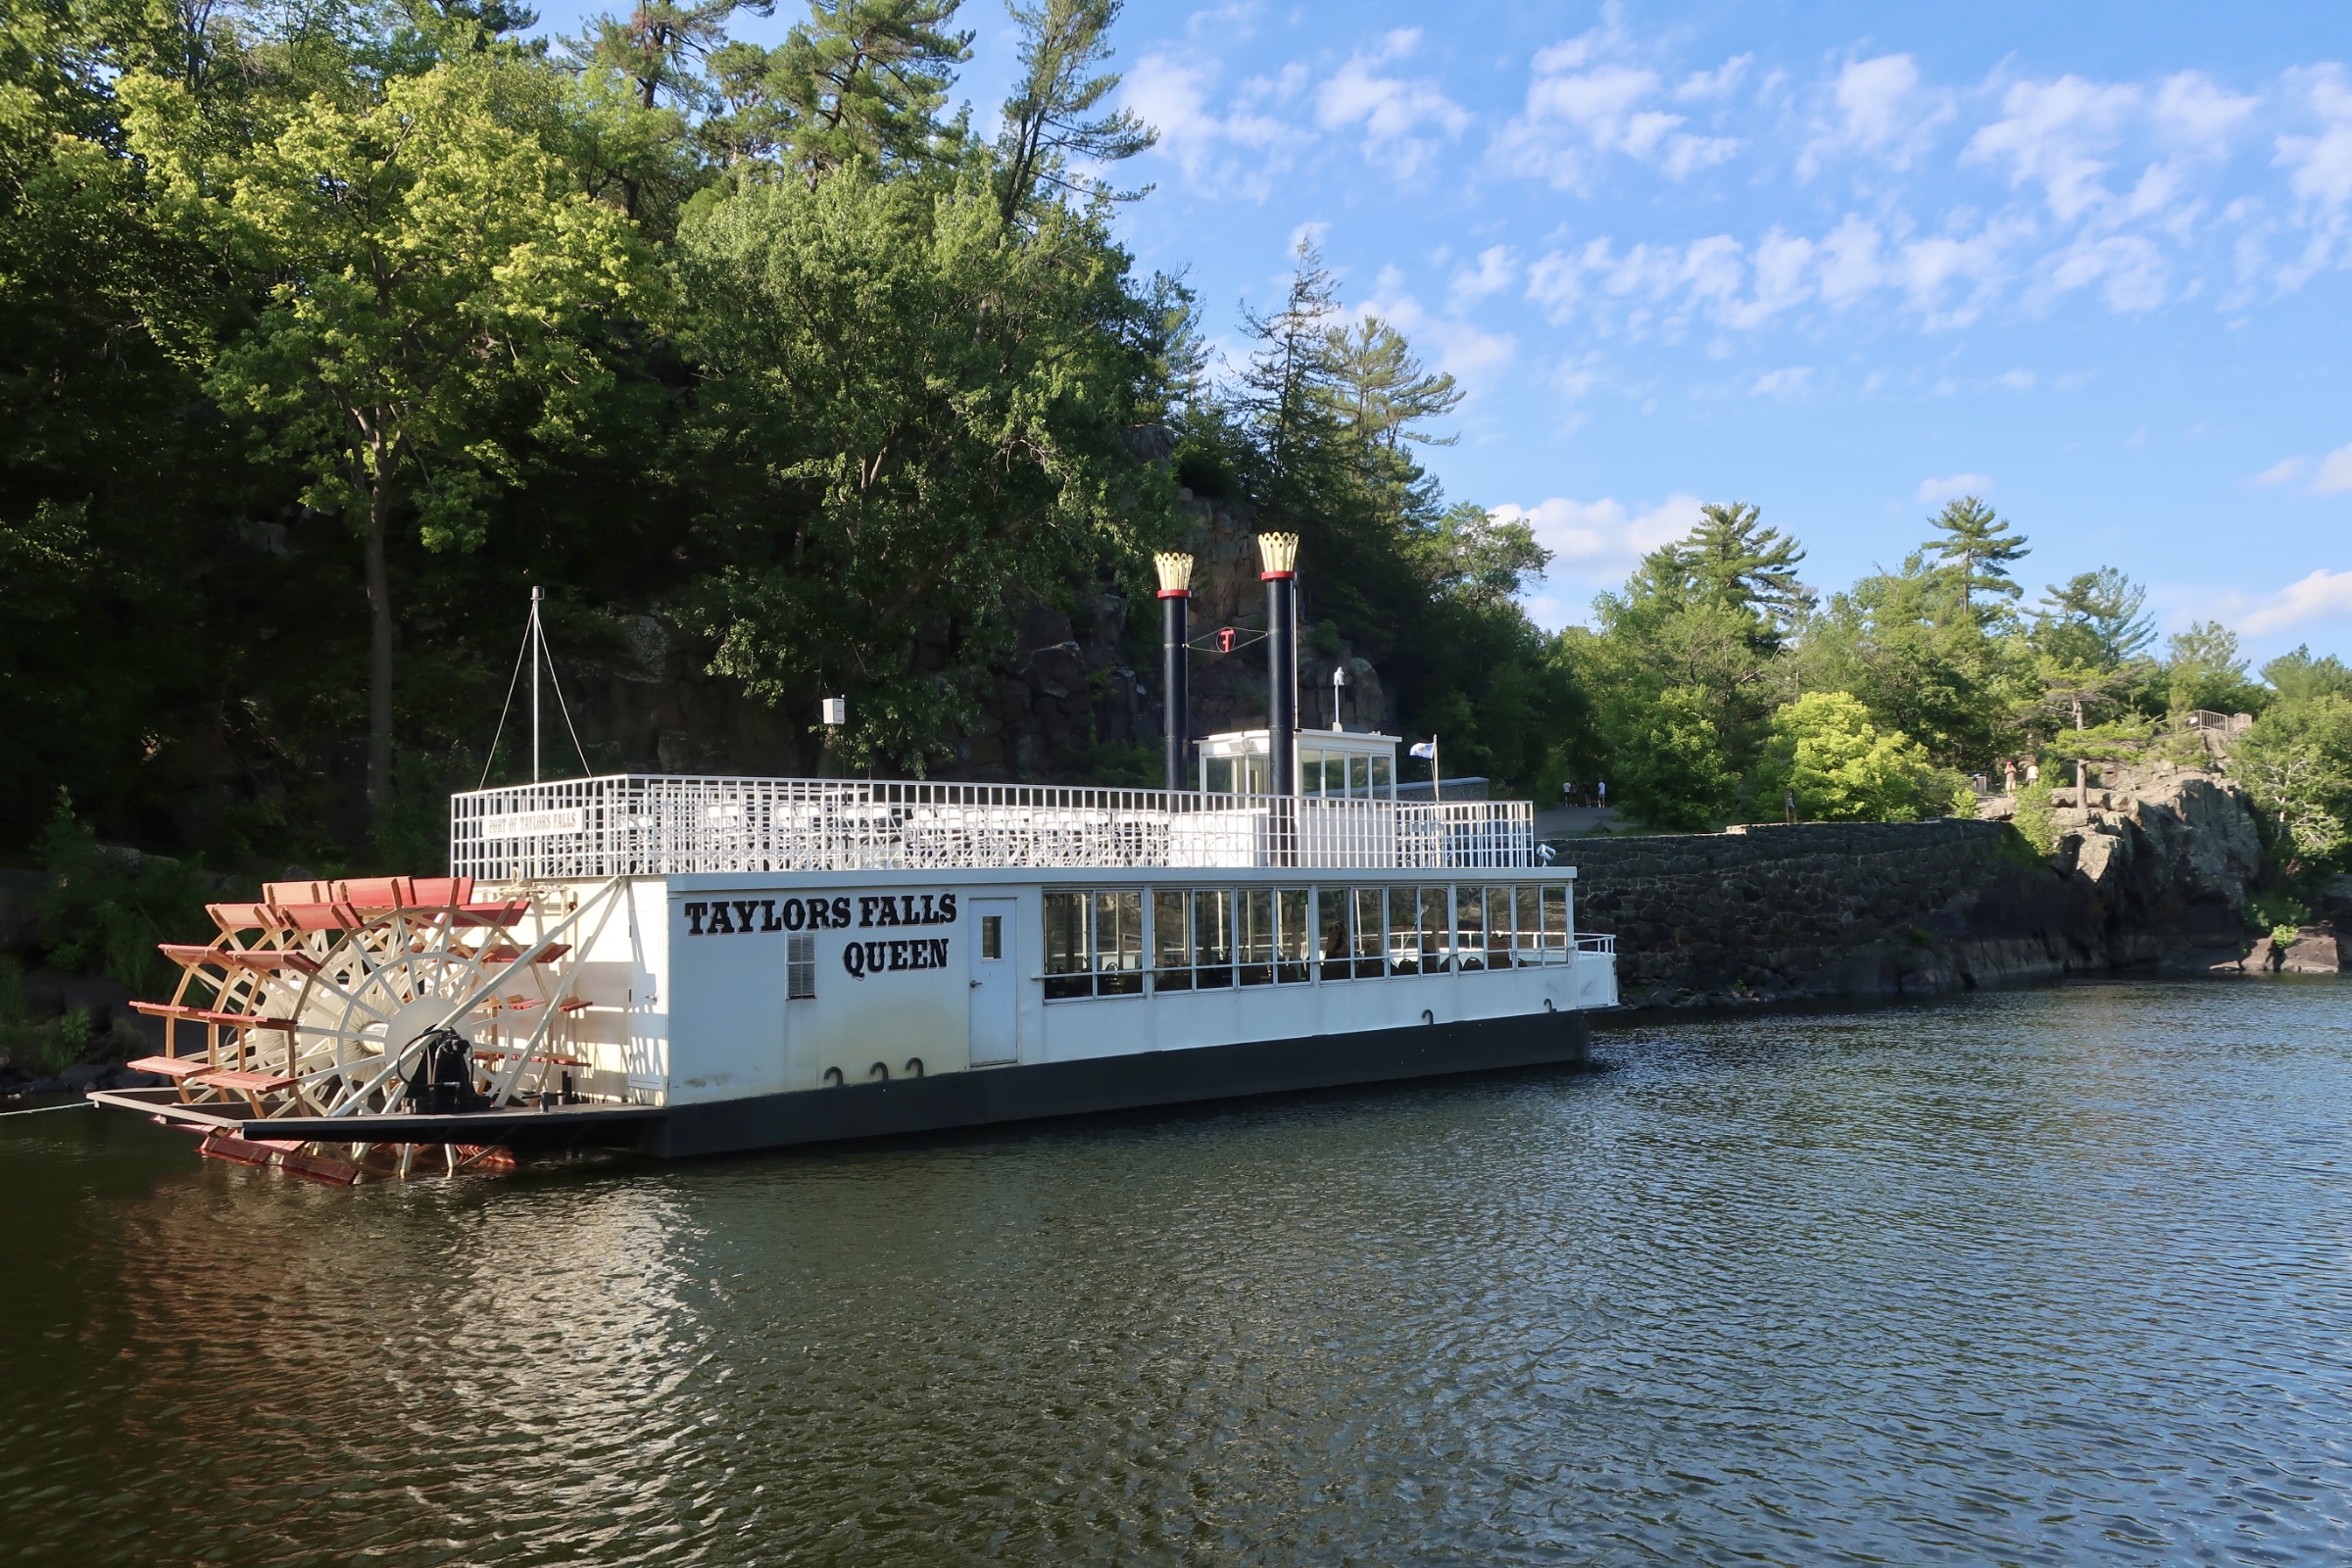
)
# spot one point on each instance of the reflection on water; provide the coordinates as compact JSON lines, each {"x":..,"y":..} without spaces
{"x":2043,"y":1276}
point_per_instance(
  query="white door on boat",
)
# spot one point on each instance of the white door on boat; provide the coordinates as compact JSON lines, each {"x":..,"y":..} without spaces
{"x":993,"y":992}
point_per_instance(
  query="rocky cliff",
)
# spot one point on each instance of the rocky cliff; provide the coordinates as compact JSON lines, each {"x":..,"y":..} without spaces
{"x":2153,"y":870}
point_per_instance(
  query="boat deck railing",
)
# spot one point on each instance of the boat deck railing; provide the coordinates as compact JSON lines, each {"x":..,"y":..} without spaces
{"x":636,"y":824}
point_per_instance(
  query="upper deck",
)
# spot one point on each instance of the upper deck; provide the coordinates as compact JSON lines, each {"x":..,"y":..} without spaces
{"x":635,"y":824}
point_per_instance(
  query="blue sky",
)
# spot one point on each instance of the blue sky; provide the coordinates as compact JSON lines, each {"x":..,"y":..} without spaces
{"x":2093,"y":262}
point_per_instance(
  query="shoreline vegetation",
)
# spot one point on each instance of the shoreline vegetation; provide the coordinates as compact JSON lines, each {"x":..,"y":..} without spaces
{"x":326,"y":333}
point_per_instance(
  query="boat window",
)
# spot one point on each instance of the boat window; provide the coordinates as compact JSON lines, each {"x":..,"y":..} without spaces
{"x":1119,"y":943}
{"x":1470,"y":920}
{"x":1212,"y":937}
{"x":1434,"y":943}
{"x":1171,"y":940}
{"x":800,"y":968}
{"x":1290,"y":936}
{"x":1555,"y":918}
{"x":1530,"y":934}
{"x":1332,"y":950}
{"x":1255,"y":937}
{"x":1404,"y":930}
{"x":1371,"y":935}
{"x":992,"y":937}
{"x":1359,"y":778}
{"x":1380,"y":779}
{"x":1070,"y":963}
{"x":1500,"y":905}
{"x":1219,"y":775}
{"x":1310,"y":771}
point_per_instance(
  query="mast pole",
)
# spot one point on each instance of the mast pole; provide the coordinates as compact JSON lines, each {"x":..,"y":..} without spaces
{"x":538,"y":643}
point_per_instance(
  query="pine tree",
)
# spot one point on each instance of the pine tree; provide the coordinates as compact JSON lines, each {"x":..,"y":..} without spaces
{"x":1382,"y":389}
{"x":1046,"y":124}
{"x":866,"y":79}
{"x":661,"y":44}
{"x":1730,"y":559}
{"x":1977,"y":547}
{"x":1286,"y":389}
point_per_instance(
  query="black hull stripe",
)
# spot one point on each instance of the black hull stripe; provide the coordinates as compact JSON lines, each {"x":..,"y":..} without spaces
{"x":990,"y":1095}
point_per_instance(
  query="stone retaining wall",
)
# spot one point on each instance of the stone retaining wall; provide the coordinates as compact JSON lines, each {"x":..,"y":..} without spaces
{"x":1870,"y":908}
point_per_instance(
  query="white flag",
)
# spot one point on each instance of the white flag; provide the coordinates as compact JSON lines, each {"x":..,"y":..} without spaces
{"x":1427,"y":749}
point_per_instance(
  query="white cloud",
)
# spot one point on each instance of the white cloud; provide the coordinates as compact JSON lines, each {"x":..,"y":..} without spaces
{"x":2323,"y":596}
{"x":1948,"y":278}
{"x":1403,"y":122}
{"x":1935,"y":492}
{"x":1595,"y":543}
{"x":2322,"y":164}
{"x":2334,"y":477}
{"x":2052,"y":135}
{"x":1497,"y":269}
{"x":1463,"y":350}
{"x":1879,"y":111}
{"x":2287,"y":471}
{"x":1574,"y":117}
{"x":1786,"y":383}
{"x":2191,"y":109}
{"x":1720,"y":82}
{"x":2130,"y":270}
{"x":1242,"y":152}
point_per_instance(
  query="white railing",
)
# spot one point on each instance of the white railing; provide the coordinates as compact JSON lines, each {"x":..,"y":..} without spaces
{"x":636,"y":824}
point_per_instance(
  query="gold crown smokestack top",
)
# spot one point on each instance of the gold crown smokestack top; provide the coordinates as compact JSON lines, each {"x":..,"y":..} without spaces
{"x":1278,"y":563}
{"x":1175,"y":604}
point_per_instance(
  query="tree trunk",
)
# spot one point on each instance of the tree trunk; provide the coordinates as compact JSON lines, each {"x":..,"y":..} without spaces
{"x":379,"y":652}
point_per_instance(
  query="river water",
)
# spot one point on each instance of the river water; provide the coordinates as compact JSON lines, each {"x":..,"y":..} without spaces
{"x":2045,"y":1276}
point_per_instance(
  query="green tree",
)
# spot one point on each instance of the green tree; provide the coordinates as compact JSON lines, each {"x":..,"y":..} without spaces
{"x":1669,"y":761}
{"x":2203,"y":669}
{"x":409,"y":268}
{"x":660,"y":45}
{"x":1842,"y":769}
{"x":2298,"y":677}
{"x":1732,"y":560}
{"x":2296,"y":763}
{"x":1976,"y":546}
{"x":1481,"y":558}
{"x":861,"y":80}
{"x":1050,"y":120}
{"x":1713,"y":614}
{"x":1381,"y":392}
{"x":2092,"y":621}
{"x":907,"y":428}
{"x":1911,"y":648}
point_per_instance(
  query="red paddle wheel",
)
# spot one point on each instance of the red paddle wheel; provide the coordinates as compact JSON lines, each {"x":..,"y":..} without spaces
{"x":364,"y":999}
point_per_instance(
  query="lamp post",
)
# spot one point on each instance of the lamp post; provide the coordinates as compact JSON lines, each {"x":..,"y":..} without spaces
{"x":1175,"y":604}
{"x":835,"y":713}
{"x":1278,"y":563}
{"x":1339,"y":678}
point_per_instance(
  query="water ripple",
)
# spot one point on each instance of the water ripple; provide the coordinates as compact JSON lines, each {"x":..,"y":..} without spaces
{"x":2047,"y":1277}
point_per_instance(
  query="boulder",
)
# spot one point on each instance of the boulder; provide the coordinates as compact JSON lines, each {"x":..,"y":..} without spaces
{"x":2315,"y":949}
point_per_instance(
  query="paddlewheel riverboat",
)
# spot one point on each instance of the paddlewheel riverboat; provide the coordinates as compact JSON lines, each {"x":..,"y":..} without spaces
{"x":689,"y":965}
